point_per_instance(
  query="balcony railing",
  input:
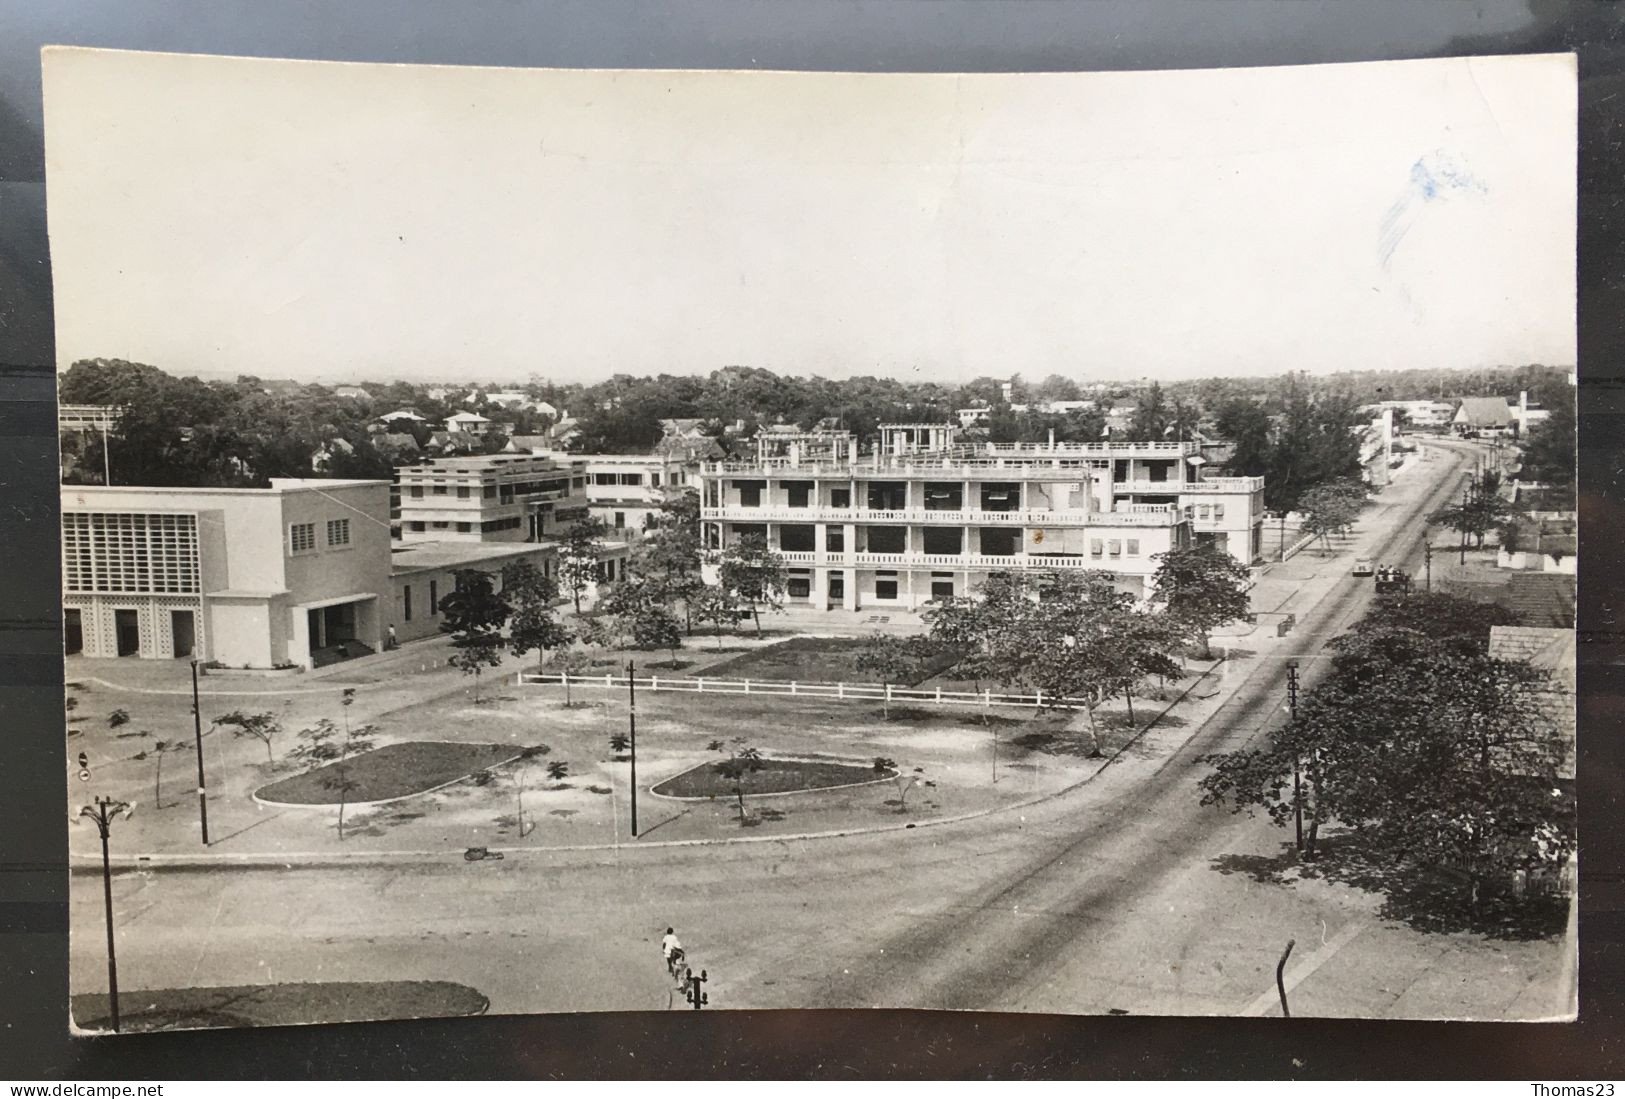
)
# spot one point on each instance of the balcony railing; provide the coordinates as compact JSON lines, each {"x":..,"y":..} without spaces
{"x":944,"y":561}
{"x":1212,"y":484}
{"x":1135,"y":515}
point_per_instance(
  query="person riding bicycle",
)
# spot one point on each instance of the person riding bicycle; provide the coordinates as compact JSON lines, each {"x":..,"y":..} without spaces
{"x":671,"y":948}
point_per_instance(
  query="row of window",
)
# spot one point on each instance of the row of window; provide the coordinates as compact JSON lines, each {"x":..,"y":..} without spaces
{"x":490,"y":492}
{"x":1204,"y":511}
{"x":302,"y":536}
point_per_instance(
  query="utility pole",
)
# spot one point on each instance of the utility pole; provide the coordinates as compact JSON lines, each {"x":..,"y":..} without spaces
{"x":197,"y":729}
{"x":103,"y":814}
{"x":632,"y":736}
{"x":107,"y":460}
{"x":1297,"y":787}
{"x":1427,"y":560}
{"x":695,"y":992}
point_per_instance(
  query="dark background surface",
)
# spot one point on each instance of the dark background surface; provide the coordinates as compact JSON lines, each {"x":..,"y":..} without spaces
{"x":868,"y":35}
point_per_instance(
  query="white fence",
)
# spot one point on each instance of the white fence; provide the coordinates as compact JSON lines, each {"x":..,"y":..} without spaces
{"x":845,"y":692}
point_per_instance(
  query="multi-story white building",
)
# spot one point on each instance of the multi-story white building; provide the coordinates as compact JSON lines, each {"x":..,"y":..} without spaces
{"x":491,"y":498}
{"x":922,"y":518}
{"x":248,"y":577}
{"x":626,"y":490}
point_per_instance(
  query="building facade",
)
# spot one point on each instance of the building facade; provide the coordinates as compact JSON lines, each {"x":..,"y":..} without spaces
{"x":625,"y":491}
{"x":922,"y":517}
{"x":491,"y":498}
{"x":257,"y":578}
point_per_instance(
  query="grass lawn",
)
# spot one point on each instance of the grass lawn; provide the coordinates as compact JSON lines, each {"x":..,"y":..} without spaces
{"x":814,"y":660}
{"x":277,"y":1005}
{"x":393,"y":771}
{"x":777,"y":776}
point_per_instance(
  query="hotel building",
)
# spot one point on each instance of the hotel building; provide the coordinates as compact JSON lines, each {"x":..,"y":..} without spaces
{"x":922,"y":517}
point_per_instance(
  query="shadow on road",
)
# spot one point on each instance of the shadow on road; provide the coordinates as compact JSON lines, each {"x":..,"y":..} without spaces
{"x":1424,"y":899}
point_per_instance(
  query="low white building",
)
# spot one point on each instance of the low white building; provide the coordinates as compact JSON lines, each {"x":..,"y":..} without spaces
{"x":626,"y":490}
{"x":246,"y":577}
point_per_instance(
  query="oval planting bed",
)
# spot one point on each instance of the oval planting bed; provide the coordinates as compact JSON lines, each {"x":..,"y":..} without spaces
{"x":387,"y":774}
{"x":777,"y":776}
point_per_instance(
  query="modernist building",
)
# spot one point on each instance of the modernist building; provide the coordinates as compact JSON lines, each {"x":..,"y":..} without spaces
{"x":626,"y":490}
{"x":491,"y":498}
{"x":246,"y":577}
{"x":921,"y":517}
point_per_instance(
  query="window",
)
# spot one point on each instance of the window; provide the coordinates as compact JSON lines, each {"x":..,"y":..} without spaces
{"x":406,"y":602}
{"x":654,"y":480}
{"x":837,"y":585}
{"x":417,"y":524}
{"x":888,"y":539}
{"x":944,"y":496}
{"x":799,"y":587}
{"x":489,"y":492}
{"x":631,"y":478}
{"x":434,"y":598}
{"x":439,"y":490}
{"x":1133,"y":547}
{"x":885,"y":589}
{"x":835,"y":539}
{"x":797,"y":537}
{"x":338,"y":532}
{"x":464,"y":528}
{"x":439,"y":525}
{"x":620,"y":520}
{"x":840,"y":497}
{"x":1218,"y":511}
{"x":1096,"y":547}
{"x":301,"y":537}
{"x":943,"y":539}
{"x":417,"y":492}
{"x":750,"y":493}
{"x":1114,"y":548}
{"x":1000,"y":541}
{"x":800,"y":493}
{"x":887,"y":495}
{"x":942,"y":589}
{"x":462,"y":492}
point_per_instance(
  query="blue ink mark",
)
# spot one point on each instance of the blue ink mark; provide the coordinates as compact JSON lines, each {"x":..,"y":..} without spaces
{"x":1432,"y":178}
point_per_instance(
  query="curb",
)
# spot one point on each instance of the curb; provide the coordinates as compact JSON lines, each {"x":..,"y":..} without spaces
{"x":311,"y":860}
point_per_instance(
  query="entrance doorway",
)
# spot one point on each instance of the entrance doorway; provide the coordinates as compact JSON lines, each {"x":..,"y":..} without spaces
{"x":331,"y":626}
{"x":127,"y":629}
{"x":183,"y":630}
{"x":73,"y":631}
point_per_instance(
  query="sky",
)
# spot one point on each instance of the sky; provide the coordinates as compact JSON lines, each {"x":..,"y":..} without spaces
{"x":323,"y":220}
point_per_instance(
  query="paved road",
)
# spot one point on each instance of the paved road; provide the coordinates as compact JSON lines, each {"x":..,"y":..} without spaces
{"x":1126,"y":895}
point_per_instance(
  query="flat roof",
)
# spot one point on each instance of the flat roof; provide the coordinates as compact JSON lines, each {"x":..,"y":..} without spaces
{"x":278,"y":485}
{"x":417,"y":556}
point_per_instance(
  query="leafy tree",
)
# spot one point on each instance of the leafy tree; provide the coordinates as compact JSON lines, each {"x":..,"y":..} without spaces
{"x":1201,"y":588}
{"x":532,"y":626}
{"x":578,"y":563}
{"x":1331,"y":508}
{"x":1549,"y":453}
{"x":668,"y":557}
{"x":1246,"y":425}
{"x":558,"y":770}
{"x":754,"y":575}
{"x":474,"y":615}
{"x":714,"y":604}
{"x":620,"y":744}
{"x":743,"y":760}
{"x":118,"y":718}
{"x":893,"y":659}
{"x":1431,"y":750}
{"x":568,"y":663}
{"x":262,"y":727}
{"x":1480,"y":510}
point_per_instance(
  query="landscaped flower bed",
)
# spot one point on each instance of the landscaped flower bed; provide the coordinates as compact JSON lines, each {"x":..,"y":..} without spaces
{"x":777,"y":776}
{"x":393,"y":771}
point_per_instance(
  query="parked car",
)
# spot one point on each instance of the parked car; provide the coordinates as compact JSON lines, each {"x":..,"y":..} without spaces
{"x":1364,"y":567}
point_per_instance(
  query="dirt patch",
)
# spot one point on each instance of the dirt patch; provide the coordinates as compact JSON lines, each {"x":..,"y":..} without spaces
{"x":816,"y":660}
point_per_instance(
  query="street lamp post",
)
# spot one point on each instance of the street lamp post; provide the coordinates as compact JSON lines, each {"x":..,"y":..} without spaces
{"x":632,"y":736}
{"x":105,"y":811}
{"x":197,"y":729}
{"x":1297,"y":787}
{"x":695,"y":992}
{"x":1427,"y":558}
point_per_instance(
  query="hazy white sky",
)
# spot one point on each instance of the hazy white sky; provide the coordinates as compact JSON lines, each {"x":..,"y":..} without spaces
{"x":317,"y":219}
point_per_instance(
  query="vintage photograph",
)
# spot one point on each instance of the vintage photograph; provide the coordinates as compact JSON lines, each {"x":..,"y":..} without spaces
{"x":583,"y":540}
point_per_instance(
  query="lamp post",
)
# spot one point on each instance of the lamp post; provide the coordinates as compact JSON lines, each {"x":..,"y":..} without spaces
{"x":197,"y":729}
{"x":106,"y":810}
{"x":1297,"y":787}
{"x":1427,"y":557}
{"x":632,"y":737}
{"x":694,"y":990}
